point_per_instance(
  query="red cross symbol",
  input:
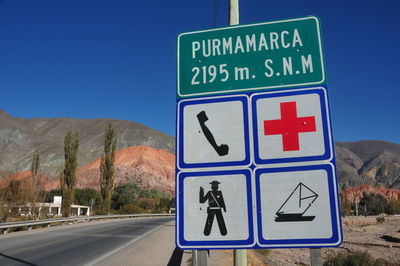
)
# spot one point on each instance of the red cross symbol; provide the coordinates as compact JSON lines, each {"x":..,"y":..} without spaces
{"x":289,"y":126}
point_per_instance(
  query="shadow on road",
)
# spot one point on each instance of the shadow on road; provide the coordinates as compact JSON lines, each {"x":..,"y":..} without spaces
{"x":16,"y":259}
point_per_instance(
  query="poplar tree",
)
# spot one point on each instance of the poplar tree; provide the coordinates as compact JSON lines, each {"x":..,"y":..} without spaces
{"x":35,"y":182}
{"x":35,"y":169}
{"x":107,"y":169}
{"x":68,"y":178}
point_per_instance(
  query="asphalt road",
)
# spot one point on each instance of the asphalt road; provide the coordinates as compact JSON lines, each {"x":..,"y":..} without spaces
{"x":76,"y":244}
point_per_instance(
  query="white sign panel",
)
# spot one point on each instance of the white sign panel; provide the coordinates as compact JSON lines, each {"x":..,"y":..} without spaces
{"x":296,"y":204}
{"x":216,"y":208}
{"x":256,"y":170}
{"x":291,"y":126}
{"x":214,"y":132}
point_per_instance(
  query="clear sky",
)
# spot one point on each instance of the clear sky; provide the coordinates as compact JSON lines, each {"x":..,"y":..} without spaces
{"x":117,"y":59}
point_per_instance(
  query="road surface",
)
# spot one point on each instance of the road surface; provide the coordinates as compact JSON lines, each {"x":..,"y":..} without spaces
{"x":76,"y":244}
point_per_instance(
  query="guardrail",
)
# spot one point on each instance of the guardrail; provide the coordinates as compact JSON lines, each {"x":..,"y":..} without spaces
{"x":31,"y":223}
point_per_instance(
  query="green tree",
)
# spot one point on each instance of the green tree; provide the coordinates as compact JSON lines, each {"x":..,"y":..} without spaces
{"x":84,"y":195}
{"x":345,"y":204}
{"x":107,"y":169}
{"x":35,"y":182}
{"x":125,"y":194}
{"x":35,"y":168}
{"x":153,"y":193}
{"x":394,"y":206}
{"x":49,"y":195}
{"x":374,"y":204}
{"x":68,"y":177}
{"x":165,"y":205}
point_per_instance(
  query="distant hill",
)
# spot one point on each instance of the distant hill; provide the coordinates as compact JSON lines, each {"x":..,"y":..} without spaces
{"x":356,"y":193}
{"x":145,"y":166}
{"x":20,"y":137}
{"x":364,"y":162}
{"x":368,"y":162}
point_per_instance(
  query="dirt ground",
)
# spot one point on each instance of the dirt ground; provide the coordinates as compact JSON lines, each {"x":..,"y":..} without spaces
{"x":380,"y":240}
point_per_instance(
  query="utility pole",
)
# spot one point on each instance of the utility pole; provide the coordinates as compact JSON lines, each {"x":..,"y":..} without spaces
{"x":233,"y":12}
{"x":239,"y":255}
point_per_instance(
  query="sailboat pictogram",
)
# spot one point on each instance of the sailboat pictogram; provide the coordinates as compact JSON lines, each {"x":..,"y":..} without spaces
{"x":298,"y":202}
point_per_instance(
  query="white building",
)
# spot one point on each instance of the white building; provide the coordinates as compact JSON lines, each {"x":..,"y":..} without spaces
{"x":53,"y":208}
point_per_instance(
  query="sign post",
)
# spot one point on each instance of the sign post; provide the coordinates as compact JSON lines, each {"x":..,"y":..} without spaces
{"x":255,"y":156}
{"x":239,"y":255}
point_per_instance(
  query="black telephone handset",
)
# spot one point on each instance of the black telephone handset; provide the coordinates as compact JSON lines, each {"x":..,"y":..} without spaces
{"x":222,"y":149}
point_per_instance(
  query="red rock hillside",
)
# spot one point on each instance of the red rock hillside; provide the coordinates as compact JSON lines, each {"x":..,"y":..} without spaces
{"x":25,"y":178}
{"x":356,"y":193}
{"x":146,"y":166}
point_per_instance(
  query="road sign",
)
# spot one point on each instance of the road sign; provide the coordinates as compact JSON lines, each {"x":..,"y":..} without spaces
{"x":254,"y":156}
{"x":291,"y":126}
{"x":297,"y":206}
{"x":216,"y":208}
{"x":213,"y":132}
{"x":269,"y":55}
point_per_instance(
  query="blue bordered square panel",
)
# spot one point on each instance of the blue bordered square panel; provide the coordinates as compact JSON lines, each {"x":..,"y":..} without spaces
{"x":214,"y":210}
{"x":213,"y":132}
{"x":298,"y":207}
{"x":291,"y":126}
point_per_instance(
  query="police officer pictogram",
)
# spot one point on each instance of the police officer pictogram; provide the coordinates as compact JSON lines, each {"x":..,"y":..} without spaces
{"x":216,"y":204}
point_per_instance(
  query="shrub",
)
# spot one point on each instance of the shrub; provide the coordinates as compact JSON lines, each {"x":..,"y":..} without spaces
{"x":354,"y":259}
{"x":263,"y":252}
{"x":380,"y":219}
{"x":131,"y":209}
{"x":83,"y":196}
{"x":374,"y":204}
{"x":125,"y":194}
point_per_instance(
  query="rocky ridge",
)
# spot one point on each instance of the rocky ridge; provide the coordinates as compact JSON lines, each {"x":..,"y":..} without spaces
{"x":354,"y":194}
{"x":372,"y":162}
{"x":20,"y":138}
{"x":145,"y":166}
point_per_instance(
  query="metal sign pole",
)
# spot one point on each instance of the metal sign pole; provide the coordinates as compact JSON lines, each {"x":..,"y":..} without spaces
{"x":200,"y":258}
{"x":316,"y":256}
{"x":203,"y":258}
{"x":239,"y":255}
{"x":194,"y":258}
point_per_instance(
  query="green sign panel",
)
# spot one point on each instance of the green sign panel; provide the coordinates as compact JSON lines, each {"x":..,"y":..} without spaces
{"x":270,"y":55}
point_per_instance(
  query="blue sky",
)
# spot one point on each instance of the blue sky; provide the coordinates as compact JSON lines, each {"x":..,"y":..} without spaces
{"x":117,"y":59}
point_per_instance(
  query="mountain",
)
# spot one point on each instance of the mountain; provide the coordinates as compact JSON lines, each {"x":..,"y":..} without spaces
{"x":364,"y":162}
{"x":20,"y":137}
{"x":146,"y":166}
{"x":368,"y":162}
{"x":356,"y":193}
